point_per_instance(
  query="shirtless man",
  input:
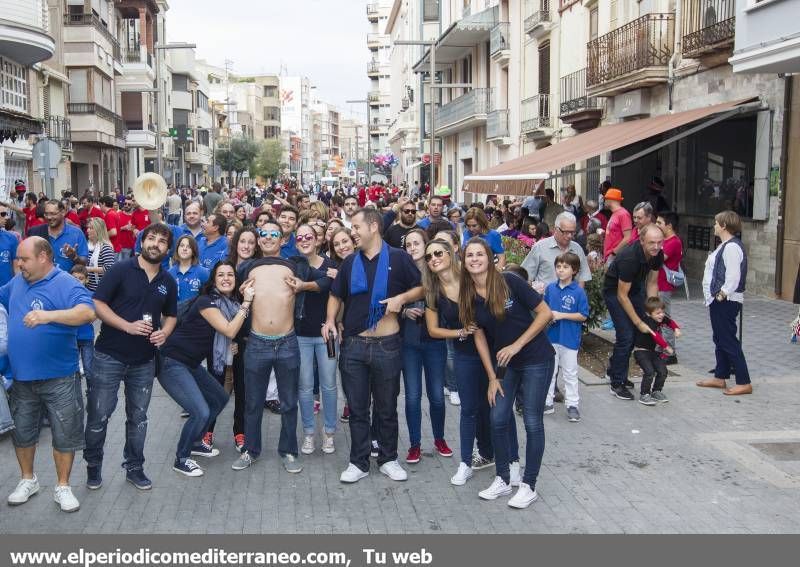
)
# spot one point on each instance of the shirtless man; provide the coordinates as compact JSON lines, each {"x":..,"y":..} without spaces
{"x":279,"y":285}
{"x":374,"y":284}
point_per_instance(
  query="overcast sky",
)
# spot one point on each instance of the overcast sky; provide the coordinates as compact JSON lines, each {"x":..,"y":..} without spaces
{"x":324,"y":40}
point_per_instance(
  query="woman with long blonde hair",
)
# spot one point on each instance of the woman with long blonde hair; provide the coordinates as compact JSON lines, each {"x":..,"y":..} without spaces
{"x":101,"y":252}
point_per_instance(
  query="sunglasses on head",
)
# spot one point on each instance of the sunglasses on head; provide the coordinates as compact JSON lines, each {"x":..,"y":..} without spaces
{"x":435,"y":254}
{"x":305,"y":237}
{"x":269,"y":233}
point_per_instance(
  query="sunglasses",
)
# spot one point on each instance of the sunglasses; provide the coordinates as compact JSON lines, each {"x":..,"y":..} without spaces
{"x":409,"y":211}
{"x":4,"y":214}
{"x":305,"y":238}
{"x":435,"y":254}
{"x":269,"y":233}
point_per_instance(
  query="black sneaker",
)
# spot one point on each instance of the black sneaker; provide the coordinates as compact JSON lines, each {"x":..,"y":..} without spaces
{"x":94,"y":478}
{"x":273,"y":405}
{"x":621,"y":392}
{"x":630,"y":385}
{"x":670,"y":360}
{"x":138,"y":479}
{"x":375,"y":450}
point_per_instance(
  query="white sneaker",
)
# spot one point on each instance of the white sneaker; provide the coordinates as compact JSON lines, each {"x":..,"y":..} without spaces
{"x":26,"y":488}
{"x":393,"y":470}
{"x":497,"y":489}
{"x":327,"y":444}
{"x":524,"y":497}
{"x":64,"y":498}
{"x":463,"y":474}
{"x":308,"y":445}
{"x":514,"y":475}
{"x":446,"y":391}
{"x":352,"y":474}
{"x":455,"y":399}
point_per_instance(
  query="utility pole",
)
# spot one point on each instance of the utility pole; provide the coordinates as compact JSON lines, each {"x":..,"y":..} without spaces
{"x":369,"y":138}
{"x":158,"y":48}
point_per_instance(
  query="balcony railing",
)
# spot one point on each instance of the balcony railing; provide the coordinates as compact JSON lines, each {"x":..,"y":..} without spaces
{"x":707,"y":25}
{"x":373,"y":40}
{"x":100,"y":111}
{"x":373,"y":68}
{"x":92,"y":20}
{"x":374,"y":97}
{"x":573,"y":94}
{"x":499,"y":38}
{"x":372,"y":11}
{"x":132,"y":54}
{"x":497,"y":124}
{"x":58,"y":129}
{"x":375,"y":128}
{"x":471,"y":104}
{"x":645,"y":42}
{"x":536,"y":113}
{"x":139,"y":125}
{"x":538,"y":13}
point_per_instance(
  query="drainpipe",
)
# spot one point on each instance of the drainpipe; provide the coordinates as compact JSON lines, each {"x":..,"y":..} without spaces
{"x":781,"y":228}
{"x":676,"y":52}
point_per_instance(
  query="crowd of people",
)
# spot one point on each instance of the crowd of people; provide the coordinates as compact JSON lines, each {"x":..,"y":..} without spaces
{"x":264,"y":293}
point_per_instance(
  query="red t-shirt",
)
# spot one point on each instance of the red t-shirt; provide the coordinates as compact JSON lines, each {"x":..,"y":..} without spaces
{"x":30,"y":218}
{"x":112,"y":223}
{"x":362,"y":197}
{"x":619,"y":222}
{"x":673,"y":253}
{"x":140,"y":218}
{"x":97,"y":212}
{"x":72,"y":216}
{"x":126,"y":237}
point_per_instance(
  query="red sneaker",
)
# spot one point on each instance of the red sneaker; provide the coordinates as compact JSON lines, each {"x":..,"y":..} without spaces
{"x":345,"y":415}
{"x":442,"y":448}
{"x":208,"y":439}
{"x":238,"y":441}
{"x":414,"y":455}
{"x":316,"y":407}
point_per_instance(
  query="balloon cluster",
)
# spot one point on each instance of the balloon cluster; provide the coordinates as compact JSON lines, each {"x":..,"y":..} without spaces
{"x":386,"y":160}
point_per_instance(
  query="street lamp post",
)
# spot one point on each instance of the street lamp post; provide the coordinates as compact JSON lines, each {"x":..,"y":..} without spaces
{"x":158,"y":49}
{"x":369,"y":140}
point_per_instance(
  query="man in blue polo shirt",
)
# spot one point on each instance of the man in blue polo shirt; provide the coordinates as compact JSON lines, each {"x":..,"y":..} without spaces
{"x":137,"y":301}
{"x":212,"y":245}
{"x":435,"y":210}
{"x":46,"y":306}
{"x":68,"y":242}
{"x":288,"y":223}
{"x":8,"y":248}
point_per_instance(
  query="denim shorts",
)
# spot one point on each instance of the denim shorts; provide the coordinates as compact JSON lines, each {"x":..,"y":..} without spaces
{"x":61,"y":398}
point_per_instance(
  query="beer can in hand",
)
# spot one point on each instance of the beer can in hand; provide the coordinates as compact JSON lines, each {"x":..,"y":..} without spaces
{"x":331,"y":344}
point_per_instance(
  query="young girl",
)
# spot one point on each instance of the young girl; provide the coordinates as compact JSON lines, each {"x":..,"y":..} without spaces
{"x":187,"y":271}
{"x":501,"y":304}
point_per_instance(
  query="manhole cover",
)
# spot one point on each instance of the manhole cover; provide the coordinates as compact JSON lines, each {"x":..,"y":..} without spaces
{"x":787,"y":451}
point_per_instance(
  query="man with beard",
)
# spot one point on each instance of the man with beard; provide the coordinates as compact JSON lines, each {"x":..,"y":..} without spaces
{"x":137,"y":301}
{"x":126,"y":236}
{"x":68,"y":242}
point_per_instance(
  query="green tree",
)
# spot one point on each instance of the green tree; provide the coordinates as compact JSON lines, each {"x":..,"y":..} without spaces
{"x":238,"y":156}
{"x":267,"y":162}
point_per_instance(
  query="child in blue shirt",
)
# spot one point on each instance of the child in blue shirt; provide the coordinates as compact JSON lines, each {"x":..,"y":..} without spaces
{"x":85,"y":332}
{"x":570,"y":308}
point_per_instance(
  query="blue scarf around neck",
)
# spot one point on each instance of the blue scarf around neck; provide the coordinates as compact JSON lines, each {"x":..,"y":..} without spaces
{"x":359,"y":284}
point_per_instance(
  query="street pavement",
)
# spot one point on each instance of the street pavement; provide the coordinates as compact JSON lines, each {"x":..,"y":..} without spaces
{"x":702,"y":463}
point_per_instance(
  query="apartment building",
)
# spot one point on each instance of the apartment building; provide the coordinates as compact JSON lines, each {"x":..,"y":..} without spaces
{"x":378,"y":71}
{"x":325,"y":137}
{"x":269,"y":109}
{"x":353,"y":145}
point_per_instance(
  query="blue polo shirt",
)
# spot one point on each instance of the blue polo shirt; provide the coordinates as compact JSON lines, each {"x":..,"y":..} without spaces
{"x":567,"y":299}
{"x":492,"y":238}
{"x":289,"y":248}
{"x":426,"y":222}
{"x":45,"y":351}
{"x":190,"y":281}
{"x":8,"y":253}
{"x":403,"y":276}
{"x":210,"y":254}
{"x":126,"y":289}
{"x":177,"y":232}
{"x":71,"y":235}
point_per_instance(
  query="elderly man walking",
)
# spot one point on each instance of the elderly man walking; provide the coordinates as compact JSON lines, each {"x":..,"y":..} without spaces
{"x":540,"y":261}
{"x":46,"y":306}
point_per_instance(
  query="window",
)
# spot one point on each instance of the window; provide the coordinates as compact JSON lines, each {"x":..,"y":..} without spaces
{"x":270,"y":92}
{"x":593,"y":22}
{"x":180,"y":83}
{"x":544,"y":68}
{"x":78,"y":88}
{"x":180,"y":118}
{"x":202,"y":137}
{"x":430,"y":11}
{"x":202,"y":101}
{"x":13,"y":85}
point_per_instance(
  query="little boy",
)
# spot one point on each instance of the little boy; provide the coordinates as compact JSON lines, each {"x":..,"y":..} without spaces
{"x":651,"y":360}
{"x":570,"y":308}
{"x":85,"y":332}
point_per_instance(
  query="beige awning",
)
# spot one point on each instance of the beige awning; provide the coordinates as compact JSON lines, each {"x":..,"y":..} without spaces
{"x":517,"y":176}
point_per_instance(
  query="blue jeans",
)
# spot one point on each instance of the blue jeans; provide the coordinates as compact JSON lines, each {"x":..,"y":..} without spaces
{"x":432,"y":356}
{"x":535,"y":381}
{"x":86,"y":352}
{"x":261,"y":357}
{"x":102,"y":391}
{"x":174,"y":218}
{"x":312,"y":348}
{"x":727,"y":348}
{"x":197,"y":392}
{"x":450,"y":372}
{"x":371,"y":365}
{"x":474,"y":422}
{"x":625,"y":335}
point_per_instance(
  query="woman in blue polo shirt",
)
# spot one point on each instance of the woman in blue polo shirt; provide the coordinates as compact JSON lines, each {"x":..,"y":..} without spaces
{"x":503,"y":305}
{"x":209,"y":326}
{"x":476,"y":224}
{"x":187,"y":271}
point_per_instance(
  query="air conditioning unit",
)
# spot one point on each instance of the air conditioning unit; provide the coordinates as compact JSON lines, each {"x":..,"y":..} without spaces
{"x":405,"y":103}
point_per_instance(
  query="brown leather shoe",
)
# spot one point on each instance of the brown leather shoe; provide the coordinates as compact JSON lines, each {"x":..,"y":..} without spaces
{"x":738,"y":390}
{"x":712,"y":383}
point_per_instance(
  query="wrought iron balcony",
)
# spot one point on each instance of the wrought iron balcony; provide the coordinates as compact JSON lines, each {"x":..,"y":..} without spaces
{"x":373,"y":40}
{"x":132,"y":54}
{"x":497,"y":125}
{"x":58,"y":129}
{"x":499,"y":39}
{"x":374,"y":98}
{"x":92,"y":20}
{"x":373,"y":68}
{"x":469,"y":107}
{"x":536,"y":113}
{"x":577,"y":108}
{"x":708,"y":26}
{"x":538,"y":18}
{"x":631,"y":56}
{"x":373,"y":12}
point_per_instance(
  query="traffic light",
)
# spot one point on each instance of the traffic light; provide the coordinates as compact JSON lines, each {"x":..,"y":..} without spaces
{"x":173,"y":133}
{"x":180,"y":133}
